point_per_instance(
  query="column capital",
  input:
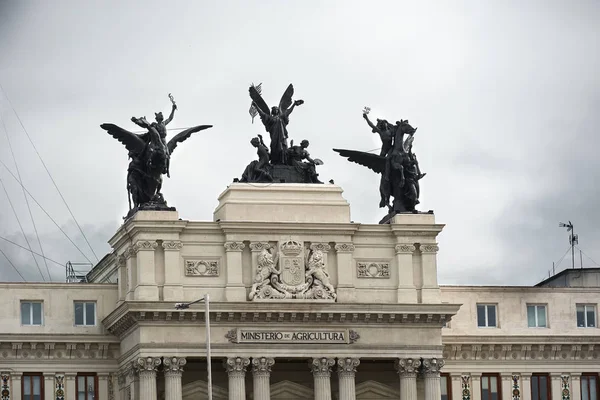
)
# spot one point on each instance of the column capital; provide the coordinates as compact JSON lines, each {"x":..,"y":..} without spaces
{"x":172,"y":245}
{"x":324,"y":247}
{"x":432,"y":366}
{"x":407,"y":367}
{"x":404,"y":248}
{"x":322,"y":366}
{"x":173,"y":365}
{"x":347,"y":366}
{"x":145,"y":245}
{"x":344,"y":247}
{"x":236,"y":366}
{"x":431,"y":248}
{"x":262,"y":365}
{"x":146,"y":365}
{"x":259,"y":246}
{"x":234,"y":246}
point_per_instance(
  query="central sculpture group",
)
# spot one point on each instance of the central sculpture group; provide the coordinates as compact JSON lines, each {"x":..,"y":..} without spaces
{"x":150,"y":155}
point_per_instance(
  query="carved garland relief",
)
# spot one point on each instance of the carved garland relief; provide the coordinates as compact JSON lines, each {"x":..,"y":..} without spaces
{"x":202,"y":268}
{"x":373,"y":270}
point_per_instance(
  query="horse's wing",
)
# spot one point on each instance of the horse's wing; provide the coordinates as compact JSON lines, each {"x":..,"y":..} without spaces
{"x":374,"y":162}
{"x":134,"y":143}
{"x":183,"y":135}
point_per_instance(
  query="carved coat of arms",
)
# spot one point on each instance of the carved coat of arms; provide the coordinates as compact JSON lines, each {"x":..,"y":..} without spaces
{"x":292,"y":272}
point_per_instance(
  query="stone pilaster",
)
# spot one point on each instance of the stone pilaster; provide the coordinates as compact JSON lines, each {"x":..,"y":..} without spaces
{"x":555,"y":381}
{"x":130,"y":272}
{"x":261,"y":372}
{"x":236,"y":370}
{"x":407,"y":291}
{"x":475,"y":386}
{"x":321,"y":370}
{"x":575,"y":386}
{"x":146,"y":288}
{"x":346,"y":271}
{"x":15,"y":385}
{"x":407,"y":370}
{"x":456,"y":386}
{"x":431,"y":373}
{"x":235,"y":289}
{"x":173,"y":368}
{"x":103,"y":378}
{"x":430,"y":292}
{"x":526,"y":386}
{"x":173,"y":289}
{"x":346,"y":373}
{"x":49,"y":385}
{"x":506,"y":380}
{"x":146,"y":370}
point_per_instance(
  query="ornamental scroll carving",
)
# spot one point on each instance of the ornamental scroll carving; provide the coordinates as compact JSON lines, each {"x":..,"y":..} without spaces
{"x":432,"y":366}
{"x":146,"y":364}
{"x":234,"y":246}
{"x":347,"y":366}
{"x":324,"y":247}
{"x":407,"y":366}
{"x":145,"y":245}
{"x":172,"y":245}
{"x":236,"y":366}
{"x":259,"y":246}
{"x":373,"y":270}
{"x":344,"y":247}
{"x":292,"y":272}
{"x":322,"y":366}
{"x":405,"y":248}
{"x":429,"y":248}
{"x":262,"y":365}
{"x":202,"y":268}
{"x":173,"y":365}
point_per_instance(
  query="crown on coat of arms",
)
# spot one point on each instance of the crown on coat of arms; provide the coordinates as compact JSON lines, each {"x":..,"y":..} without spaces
{"x":291,"y":248}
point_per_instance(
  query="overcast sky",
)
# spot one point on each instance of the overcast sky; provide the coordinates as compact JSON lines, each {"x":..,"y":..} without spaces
{"x":505,"y":95}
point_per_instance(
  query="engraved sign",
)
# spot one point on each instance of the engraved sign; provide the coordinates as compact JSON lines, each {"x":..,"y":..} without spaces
{"x":341,"y":336}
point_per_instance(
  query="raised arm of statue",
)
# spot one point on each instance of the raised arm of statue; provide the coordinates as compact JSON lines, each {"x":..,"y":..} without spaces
{"x":375,"y":129}
{"x":172,"y":114}
{"x":294,"y":104}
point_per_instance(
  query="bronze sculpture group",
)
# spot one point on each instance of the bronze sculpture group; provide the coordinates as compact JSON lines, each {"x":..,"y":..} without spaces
{"x":150,"y":155}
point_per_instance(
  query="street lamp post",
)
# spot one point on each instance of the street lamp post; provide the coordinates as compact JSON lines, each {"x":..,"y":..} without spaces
{"x":184,"y":306}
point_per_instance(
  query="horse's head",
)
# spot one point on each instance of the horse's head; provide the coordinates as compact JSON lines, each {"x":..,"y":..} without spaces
{"x":405,"y":127}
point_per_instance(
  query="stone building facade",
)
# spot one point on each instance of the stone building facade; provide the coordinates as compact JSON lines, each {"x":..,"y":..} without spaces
{"x":304,"y":303}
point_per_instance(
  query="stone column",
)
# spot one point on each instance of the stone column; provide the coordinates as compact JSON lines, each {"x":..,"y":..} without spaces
{"x":346,"y":271}
{"x":173,"y":367}
{"x":130,"y":271}
{"x":526,"y":386}
{"x":103,"y":386}
{"x":122,"y":276}
{"x":430,"y":292}
{"x":70,"y":386}
{"x":321,"y":370}
{"x":431,"y":372}
{"x":15,"y":385}
{"x":173,"y":288}
{"x":261,"y":372}
{"x":407,"y":291}
{"x":407,"y":369}
{"x":556,"y":386}
{"x":146,"y":288}
{"x":146,"y":369}
{"x":346,"y":373}
{"x":575,"y":386}
{"x":236,"y":370}
{"x":476,"y":386}
{"x":235,"y":289}
{"x":48,"y":385}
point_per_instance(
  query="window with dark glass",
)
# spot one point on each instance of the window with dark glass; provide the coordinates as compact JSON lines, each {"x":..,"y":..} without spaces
{"x":85,"y":313}
{"x":586,"y":315}
{"x":86,"y":386}
{"x":32,"y":386}
{"x":490,"y":387}
{"x":31,"y":313}
{"x":486,"y":315}
{"x":536,"y":316}
{"x":589,"y":387}
{"x":446,"y":389}
{"x":540,"y":387}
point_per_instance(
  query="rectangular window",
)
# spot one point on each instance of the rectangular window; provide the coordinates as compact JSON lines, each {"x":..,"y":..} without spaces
{"x":589,"y":387}
{"x":445,"y":386}
{"x":490,"y":387}
{"x":536,"y":316}
{"x":31,"y":313}
{"x":32,"y":386}
{"x":586,"y":316}
{"x":85,"y":313}
{"x":86,"y":386}
{"x":486,"y":315}
{"x":540,"y":387}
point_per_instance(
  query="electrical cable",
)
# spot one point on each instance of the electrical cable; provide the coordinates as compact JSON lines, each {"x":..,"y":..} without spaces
{"x":33,"y":252}
{"x":13,"y":265}
{"x":49,"y":174}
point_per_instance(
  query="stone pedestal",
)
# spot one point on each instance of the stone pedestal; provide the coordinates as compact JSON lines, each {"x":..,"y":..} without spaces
{"x":173,"y":367}
{"x":346,"y":374}
{"x":321,"y":369}
{"x":236,"y":371}
{"x":146,"y":370}
{"x":261,"y":372}
{"x":407,"y":370}
{"x":431,"y":373}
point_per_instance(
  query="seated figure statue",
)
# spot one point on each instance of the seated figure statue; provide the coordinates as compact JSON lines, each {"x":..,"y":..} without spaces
{"x":296,"y":157}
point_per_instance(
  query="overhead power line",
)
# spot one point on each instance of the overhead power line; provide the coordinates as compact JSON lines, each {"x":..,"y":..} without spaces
{"x":26,"y":199}
{"x":13,"y":265}
{"x":32,"y":252}
{"x":48,"y":171}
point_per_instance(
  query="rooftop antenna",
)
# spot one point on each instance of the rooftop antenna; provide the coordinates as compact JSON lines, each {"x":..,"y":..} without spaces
{"x":573,"y":239}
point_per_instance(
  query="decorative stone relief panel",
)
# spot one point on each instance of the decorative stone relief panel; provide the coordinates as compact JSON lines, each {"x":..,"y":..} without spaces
{"x":566,"y":390}
{"x":5,"y":387}
{"x":466,"y":387}
{"x":516,"y":388}
{"x":59,"y":387}
{"x":366,"y":269}
{"x":202,"y":268}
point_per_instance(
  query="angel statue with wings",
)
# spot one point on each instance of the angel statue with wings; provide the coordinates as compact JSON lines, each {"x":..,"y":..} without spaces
{"x":150,"y":155}
{"x":275,"y":120}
